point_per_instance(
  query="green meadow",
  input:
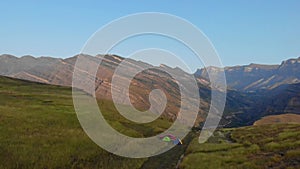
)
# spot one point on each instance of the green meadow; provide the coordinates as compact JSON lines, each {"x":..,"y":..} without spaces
{"x":39,"y":129}
{"x":266,"y":146}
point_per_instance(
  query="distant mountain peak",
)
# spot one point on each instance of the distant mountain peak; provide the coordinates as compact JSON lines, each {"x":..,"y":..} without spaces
{"x":28,"y":56}
{"x":7,"y":56}
{"x":291,"y":61}
{"x":258,"y":76}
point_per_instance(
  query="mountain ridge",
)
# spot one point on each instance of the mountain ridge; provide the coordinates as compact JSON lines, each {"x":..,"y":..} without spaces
{"x":245,"y":98}
{"x":257,"y":76}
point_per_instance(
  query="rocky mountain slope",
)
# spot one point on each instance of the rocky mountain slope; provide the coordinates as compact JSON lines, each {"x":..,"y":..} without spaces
{"x":259,"y":90}
{"x":60,"y":71}
{"x":255,"y":76}
{"x":284,"y":99}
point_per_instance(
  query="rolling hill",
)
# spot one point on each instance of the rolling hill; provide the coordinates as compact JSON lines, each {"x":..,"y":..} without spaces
{"x":281,"y":119}
{"x":39,"y":129}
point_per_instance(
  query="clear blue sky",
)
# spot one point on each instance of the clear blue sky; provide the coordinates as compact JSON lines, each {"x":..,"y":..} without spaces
{"x":242,"y":31}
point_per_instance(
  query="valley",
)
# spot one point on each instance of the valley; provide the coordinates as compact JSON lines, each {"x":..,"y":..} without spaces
{"x":40,"y":129}
{"x":48,"y":135}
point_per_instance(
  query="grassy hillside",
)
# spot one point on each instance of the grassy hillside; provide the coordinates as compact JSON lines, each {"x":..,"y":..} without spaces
{"x":267,"y":146}
{"x":282,"y":118}
{"x":39,"y":129}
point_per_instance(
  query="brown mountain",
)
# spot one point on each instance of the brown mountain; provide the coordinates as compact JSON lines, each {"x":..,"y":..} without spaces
{"x":260,"y":90}
{"x":60,"y":71}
